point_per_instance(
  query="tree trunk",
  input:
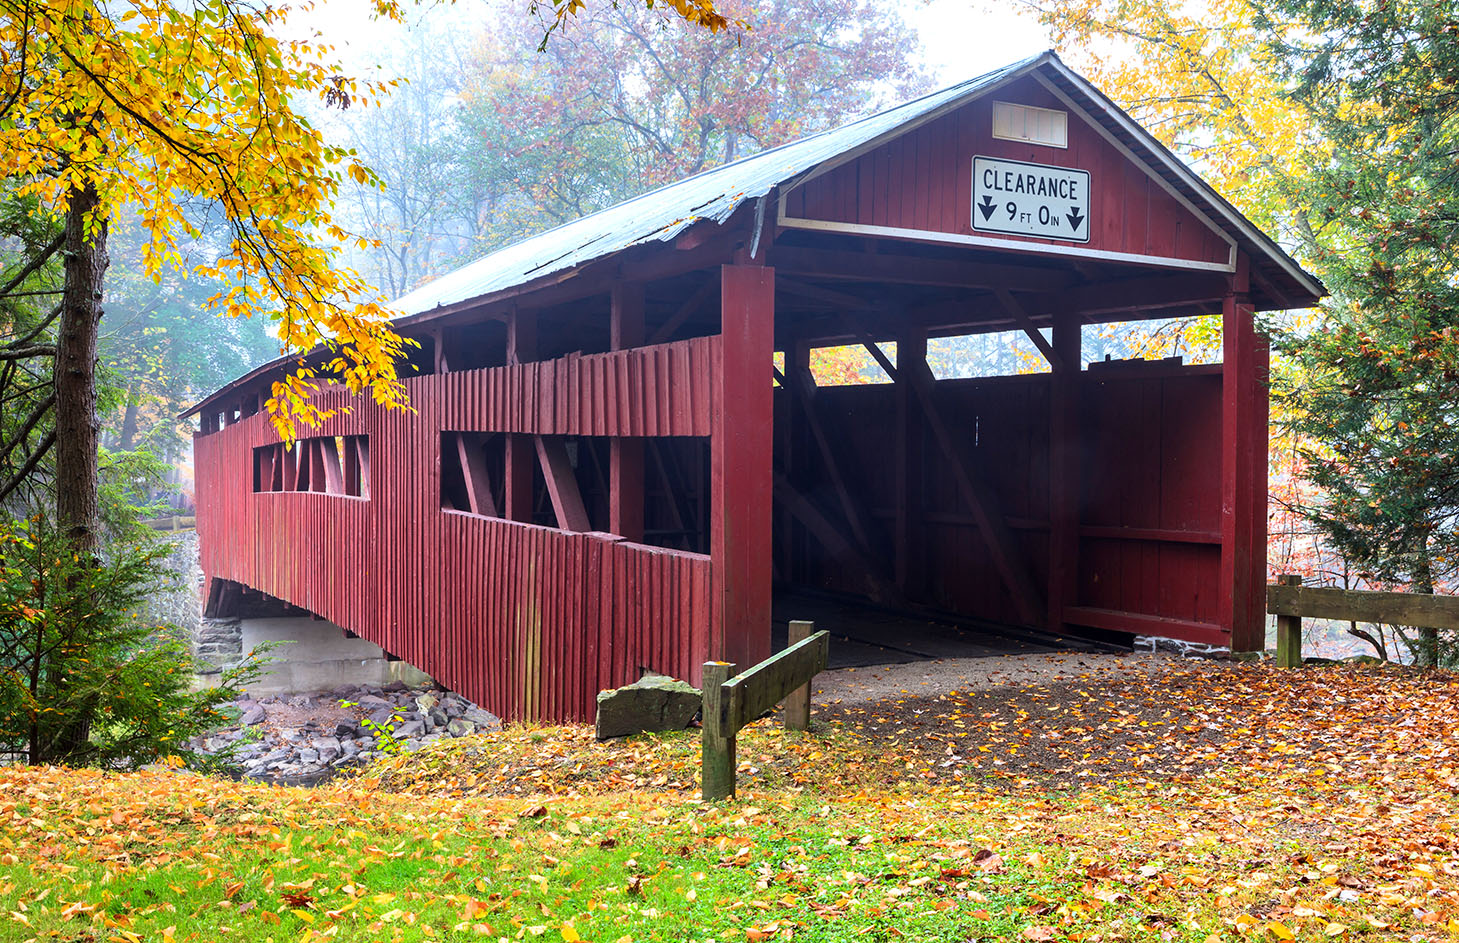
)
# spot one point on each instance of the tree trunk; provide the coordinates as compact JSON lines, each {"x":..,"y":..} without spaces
{"x":128,"y":434}
{"x":78,"y":504}
{"x":78,"y":508}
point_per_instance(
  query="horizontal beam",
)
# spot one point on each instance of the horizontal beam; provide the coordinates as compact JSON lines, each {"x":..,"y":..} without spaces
{"x":1158,"y":535}
{"x":838,"y":299}
{"x":1349,"y":605}
{"x":752,"y":693}
{"x":1137,"y":294}
{"x":1139,"y":623}
{"x":914,"y":270}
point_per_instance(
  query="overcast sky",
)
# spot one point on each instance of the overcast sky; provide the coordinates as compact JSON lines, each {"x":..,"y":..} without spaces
{"x":959,"y":40}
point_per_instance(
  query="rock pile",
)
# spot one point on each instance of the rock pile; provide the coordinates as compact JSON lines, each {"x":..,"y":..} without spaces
{"x":304,"y":739}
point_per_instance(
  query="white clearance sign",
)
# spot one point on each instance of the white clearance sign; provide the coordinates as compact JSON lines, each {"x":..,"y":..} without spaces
{"x":1010,"y":196}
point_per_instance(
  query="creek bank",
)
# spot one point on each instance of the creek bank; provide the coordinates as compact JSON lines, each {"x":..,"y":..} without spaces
{"x":304,"y":739}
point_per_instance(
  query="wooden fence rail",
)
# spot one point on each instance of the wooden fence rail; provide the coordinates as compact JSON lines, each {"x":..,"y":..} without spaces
{"x":731,"y":703}
{"x":1291,"y":602}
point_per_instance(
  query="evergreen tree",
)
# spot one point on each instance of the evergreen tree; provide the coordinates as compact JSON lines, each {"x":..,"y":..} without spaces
{"x":1376,"y":385}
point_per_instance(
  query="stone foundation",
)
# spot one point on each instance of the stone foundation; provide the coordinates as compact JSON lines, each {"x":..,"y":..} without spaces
{"x":217,"y":644}
{"x":312,"y":655}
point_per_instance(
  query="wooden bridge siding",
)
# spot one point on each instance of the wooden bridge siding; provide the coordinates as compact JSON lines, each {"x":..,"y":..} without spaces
{"x":479,"y":602}
{"x":922,"y":181}
{"x":1152,"y":466}
{"x":1148,"y":462}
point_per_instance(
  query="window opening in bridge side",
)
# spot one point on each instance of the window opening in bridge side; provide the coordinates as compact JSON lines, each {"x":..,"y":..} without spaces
{"x":850,"y":364}
{"x":323,"y":464}
{"x":991,"y":354}
{"x":675,"y":484}
{"x":473,"y":472}
{"x":1185,"y":341}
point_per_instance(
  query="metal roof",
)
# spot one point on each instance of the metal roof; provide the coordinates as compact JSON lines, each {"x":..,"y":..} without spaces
{"x":662,"y":214}
{"x":714,"y":195}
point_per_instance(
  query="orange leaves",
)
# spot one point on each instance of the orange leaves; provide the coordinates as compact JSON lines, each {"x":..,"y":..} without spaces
{"x":1344,"y":834}
{"x":768,"y":931}
{"x":988,"y":862}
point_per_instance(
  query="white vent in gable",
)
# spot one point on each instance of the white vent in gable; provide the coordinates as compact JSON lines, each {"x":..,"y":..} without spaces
{"x":1013,"y":122}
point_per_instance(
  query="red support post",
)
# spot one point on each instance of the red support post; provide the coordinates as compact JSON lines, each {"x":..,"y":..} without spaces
{"x":521,"y":450}
{"x":1064,"y":468}
{"x":740,"y":458}
{"x":909,"y":539}
{"x":1243,"y":466}
{"x":625,"y":464}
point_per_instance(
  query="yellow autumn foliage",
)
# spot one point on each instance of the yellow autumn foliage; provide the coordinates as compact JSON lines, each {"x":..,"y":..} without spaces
{"x":172,"y":108}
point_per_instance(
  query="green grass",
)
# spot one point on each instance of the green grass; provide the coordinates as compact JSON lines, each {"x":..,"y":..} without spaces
{"x":651,"y":868}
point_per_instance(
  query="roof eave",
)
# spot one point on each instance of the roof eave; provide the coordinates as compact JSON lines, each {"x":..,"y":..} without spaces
{"x":1310,"y":288}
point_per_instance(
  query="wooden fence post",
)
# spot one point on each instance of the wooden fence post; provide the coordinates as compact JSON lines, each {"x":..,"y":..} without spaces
{"x":1289,"y":631}
{"x":718,"y":744}
{"x":798,"y":702}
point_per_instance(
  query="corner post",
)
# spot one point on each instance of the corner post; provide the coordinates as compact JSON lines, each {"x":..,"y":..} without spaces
{"x":798,"y":702}
{"x":717,"y":750}
{"x":741,"y":442}
{"x":625,"y":461}
{"x":1243,"y":461}
{"x":1260,"y":421}
{"x":1289,"y":631}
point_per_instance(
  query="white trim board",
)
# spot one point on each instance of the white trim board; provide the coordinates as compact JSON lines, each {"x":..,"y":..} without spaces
{"x":990,"y":242}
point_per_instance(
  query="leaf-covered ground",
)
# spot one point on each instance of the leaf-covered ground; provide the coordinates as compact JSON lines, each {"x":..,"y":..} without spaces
{"x":1215,"y":804}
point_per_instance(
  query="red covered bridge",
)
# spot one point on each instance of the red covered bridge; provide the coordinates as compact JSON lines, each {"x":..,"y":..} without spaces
{"x":606,"y":471}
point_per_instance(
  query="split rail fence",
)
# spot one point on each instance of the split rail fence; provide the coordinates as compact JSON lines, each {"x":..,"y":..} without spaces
{"x":731,"y":703}
{"x":1291,"y":602}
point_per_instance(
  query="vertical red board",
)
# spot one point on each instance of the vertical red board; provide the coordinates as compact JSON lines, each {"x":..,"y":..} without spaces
{"x":740,"y":453}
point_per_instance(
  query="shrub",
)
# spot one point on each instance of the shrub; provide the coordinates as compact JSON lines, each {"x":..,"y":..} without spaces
{"x":84,"y":679}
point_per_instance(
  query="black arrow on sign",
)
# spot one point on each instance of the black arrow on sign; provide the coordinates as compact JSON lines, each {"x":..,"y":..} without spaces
{"x":987,"y":206}
{"x":1075,"y":218}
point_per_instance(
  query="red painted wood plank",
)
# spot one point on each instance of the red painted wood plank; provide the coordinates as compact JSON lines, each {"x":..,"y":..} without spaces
{"x":740,"y":455}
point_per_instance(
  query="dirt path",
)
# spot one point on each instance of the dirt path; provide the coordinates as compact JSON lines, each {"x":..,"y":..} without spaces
{"x":1066,"y":716}
{"x":847,"y":688}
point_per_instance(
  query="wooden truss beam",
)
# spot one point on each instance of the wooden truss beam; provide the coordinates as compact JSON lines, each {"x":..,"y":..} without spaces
{"x":474,"y":471}
{"x":880,"y":356}
{"x":333,"y":472}
{"x":803,"y":388}
{"x":1020,"y":317}
{"x":562,"y":484}
{"x":832,"y":537}
{"x":671,"y":494}
{"x":706,"y":290}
